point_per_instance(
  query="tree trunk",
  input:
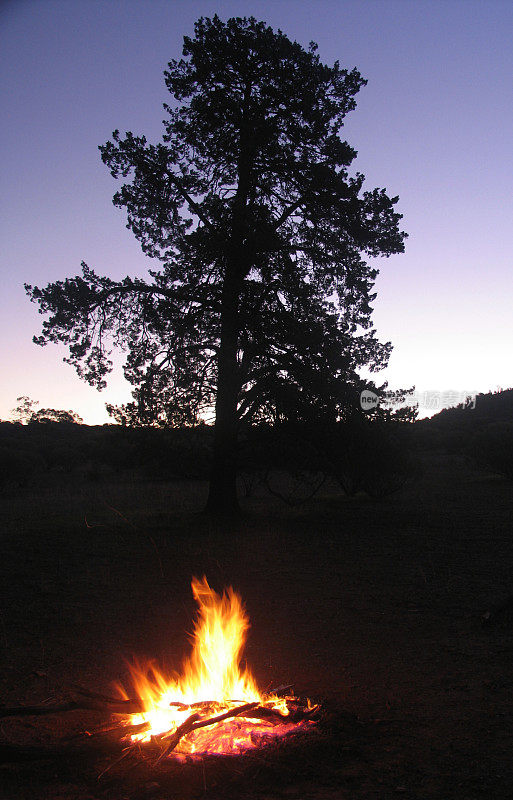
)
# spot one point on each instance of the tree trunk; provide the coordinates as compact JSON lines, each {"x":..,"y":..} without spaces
{"x":222,"y":496}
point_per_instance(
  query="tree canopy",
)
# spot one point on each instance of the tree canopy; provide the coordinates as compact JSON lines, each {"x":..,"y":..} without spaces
{"x":260,"y":305}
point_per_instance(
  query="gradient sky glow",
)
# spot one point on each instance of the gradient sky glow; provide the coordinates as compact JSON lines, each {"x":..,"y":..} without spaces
{"x":434,"y":125}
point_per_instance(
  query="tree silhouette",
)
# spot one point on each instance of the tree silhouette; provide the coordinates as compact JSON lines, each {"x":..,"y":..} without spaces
{"x":261,"y":303}
{"x":25,"y":412}
{"x":56,"y":415}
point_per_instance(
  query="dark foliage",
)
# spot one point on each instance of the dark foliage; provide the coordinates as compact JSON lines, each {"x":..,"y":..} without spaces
{"x":359,"y":455}
{"x":34,"y":452}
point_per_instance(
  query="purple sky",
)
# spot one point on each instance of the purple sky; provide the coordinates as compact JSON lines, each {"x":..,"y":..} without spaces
{"x":434,"y":125}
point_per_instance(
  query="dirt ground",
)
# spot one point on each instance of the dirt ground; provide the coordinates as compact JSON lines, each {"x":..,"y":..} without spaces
{"x":373,"y":608}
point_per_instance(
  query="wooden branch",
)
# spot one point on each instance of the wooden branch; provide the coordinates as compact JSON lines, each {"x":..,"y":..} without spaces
{"x":112,"y":736}
{"x":150,"y":165}
{"x":182,"y":730}
{"x":270,"y":715}
{"x":104,"y":702}
{"x":123,"y":708}
{"x":301,"y":714}
{"x":101,"y":742}
{"x":87,"y":701}
{"x":287,"y":212}
{"x":277,"y":718}
{"x":191,"y":724}
{"x":234,"y":712}
{"x":108,"y":730}
{"x":138,"y":287}
{"x":38,"y":711}
{"x":192,"y":203}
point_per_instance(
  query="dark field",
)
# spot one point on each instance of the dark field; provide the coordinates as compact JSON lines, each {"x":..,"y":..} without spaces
{"x":371,"y":607}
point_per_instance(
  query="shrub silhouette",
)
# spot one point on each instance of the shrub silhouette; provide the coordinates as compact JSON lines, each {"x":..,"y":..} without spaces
{"x":362,"y":455}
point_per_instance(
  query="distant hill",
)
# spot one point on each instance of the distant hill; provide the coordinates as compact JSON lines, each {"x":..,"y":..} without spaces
{"x":483,"y":433}
{"x":490,"y":407}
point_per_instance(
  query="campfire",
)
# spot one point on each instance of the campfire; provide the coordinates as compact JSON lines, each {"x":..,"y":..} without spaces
{"x":212,"y":707}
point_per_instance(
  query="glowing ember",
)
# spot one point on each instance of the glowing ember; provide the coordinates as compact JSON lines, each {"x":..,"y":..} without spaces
{"x":179,"y":713}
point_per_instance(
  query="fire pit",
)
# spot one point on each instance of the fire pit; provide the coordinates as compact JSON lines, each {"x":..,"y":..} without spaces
{"x":212,"y":707}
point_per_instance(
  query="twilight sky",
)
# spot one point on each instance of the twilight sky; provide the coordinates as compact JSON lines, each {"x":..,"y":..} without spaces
{"x":434,"y":125}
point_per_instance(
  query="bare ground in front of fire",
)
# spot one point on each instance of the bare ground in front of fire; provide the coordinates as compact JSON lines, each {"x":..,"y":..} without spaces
{"x":372,"y":607}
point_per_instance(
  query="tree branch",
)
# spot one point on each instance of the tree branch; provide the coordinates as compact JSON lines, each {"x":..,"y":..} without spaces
{"x":192,"y":203}
{"x":143,"y":288}
{"x":287,"y":213}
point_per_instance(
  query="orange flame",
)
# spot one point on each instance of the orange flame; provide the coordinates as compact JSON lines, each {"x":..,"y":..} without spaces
{"x":212,"y":673}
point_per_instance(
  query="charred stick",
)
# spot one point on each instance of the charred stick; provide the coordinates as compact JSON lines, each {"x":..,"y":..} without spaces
{"x":234,"y":712}
{"x":190,"y":725}
{"x":270,"y":715}
{"x":278,"y":718}
{"x":87,"y":704}
{"x":114,"y":704}
{"x":198,"y":704}
{"x":120,"y":730}
{"x":182,"y":730}
{"x":37,"y":711}
{"x":206,"y":704}
{"x":74,"y":747}
{"x":305,"y":713}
